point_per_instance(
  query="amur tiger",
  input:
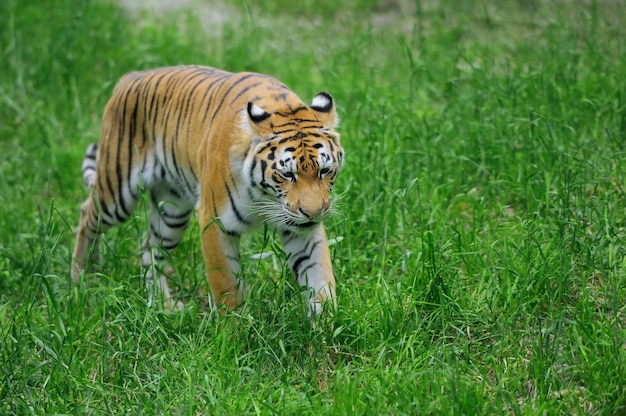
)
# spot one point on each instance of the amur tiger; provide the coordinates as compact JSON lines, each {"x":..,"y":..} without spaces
{"x":241,"y":148}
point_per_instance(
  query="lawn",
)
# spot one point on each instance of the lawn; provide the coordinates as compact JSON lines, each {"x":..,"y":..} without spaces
{"x":479,"y":249}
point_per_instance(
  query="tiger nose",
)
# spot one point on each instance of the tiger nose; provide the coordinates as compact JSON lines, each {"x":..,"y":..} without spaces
{"x":315,"y":212}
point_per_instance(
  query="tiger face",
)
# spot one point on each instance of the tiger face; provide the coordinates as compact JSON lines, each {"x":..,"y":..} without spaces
{"x":297,"y":159}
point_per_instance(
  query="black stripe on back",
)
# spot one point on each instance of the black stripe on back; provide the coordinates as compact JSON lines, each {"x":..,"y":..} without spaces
{"x":227,"y":92}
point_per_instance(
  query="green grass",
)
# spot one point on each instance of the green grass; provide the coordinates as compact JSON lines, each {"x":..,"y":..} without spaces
{"x":482,"y":259}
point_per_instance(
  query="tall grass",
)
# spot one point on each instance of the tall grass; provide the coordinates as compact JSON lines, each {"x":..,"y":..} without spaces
{"x":479,"y":252}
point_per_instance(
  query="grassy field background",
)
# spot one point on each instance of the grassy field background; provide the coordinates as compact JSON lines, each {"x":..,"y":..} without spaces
{"x":479,"y":252}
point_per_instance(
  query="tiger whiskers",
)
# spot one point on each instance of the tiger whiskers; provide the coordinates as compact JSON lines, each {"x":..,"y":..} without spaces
{"x":271,"y":211}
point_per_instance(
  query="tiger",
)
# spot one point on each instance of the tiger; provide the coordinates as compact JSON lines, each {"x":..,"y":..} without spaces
{"x":241,"y":149}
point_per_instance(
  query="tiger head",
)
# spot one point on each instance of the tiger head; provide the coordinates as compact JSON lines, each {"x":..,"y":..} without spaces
{"x":297,"y":157}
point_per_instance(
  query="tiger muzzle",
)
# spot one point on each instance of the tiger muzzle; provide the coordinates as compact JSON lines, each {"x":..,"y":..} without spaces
{"x":315,"y":213}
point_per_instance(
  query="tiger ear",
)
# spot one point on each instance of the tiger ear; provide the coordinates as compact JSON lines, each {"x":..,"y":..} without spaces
{"x":324,"y":106}
{"x":256,"y":113}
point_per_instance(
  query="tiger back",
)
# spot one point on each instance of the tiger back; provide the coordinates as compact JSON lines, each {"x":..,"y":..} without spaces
{"x":241,"y":148}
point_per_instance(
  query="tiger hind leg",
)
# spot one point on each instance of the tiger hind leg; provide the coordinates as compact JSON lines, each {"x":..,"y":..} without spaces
{"x":101,"y":211}
{"x":95,"y":221}
{"x":86,"y":248}
{"x":169,"y":217}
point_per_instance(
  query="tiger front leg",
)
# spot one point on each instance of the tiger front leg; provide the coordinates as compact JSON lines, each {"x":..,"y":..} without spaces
{"x":220,"y":251}
{"x":309,"y":260}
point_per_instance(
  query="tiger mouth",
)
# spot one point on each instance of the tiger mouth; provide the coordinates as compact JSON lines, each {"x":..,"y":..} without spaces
{"x":296,"y":224}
